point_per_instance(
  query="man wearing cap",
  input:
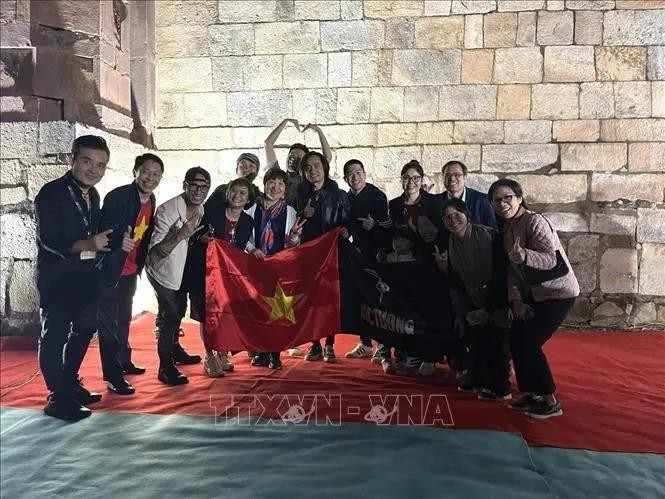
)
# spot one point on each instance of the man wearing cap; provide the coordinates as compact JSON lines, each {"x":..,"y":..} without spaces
{"x":296,"y":152}
{"x":176,"y":221}
{"x":247,"y":166}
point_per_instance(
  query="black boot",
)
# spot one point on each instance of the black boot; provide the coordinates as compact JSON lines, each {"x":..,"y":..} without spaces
{"x":65,"y":408}
{"x":260,"y":360}
{"x":120,"y":386}
{"x":182,"y":357}
{"x":83,"y":395}
{"x":275,"y":361}
{"x":171,"y":376}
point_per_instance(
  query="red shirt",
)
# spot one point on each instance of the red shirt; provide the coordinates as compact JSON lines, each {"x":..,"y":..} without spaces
{"x":140,"y":228}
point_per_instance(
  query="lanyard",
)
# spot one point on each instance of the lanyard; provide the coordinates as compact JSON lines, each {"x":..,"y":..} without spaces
{"x":87,"y":222}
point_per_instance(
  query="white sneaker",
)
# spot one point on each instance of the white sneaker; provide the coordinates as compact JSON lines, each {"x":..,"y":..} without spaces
{"x":426,"y":368}
{"x":224,"y":362}
{"x":359,"y":352}
{"x":376,"y":357}
{"x":212,"y":367}
{"x":294,"y":352}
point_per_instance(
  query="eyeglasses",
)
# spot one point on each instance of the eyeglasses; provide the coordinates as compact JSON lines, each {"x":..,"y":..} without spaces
{"x":197,"y":187}
{"x":414,"y":180}
{"x":505,"y":199}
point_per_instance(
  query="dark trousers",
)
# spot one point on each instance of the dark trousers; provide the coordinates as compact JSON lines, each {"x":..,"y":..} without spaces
{"x":66,"y":333}
{"x":115,"y":315}
{"x":330,"y":340}
{"x":171,"y":306}
{"x":488,"y":358}
{"x":526,"y":345}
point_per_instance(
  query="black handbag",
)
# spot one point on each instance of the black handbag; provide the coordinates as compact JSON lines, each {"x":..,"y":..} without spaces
{"x":537,"y":276}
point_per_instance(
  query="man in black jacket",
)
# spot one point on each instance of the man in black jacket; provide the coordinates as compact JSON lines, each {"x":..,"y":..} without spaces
{"x":325,"y":206}
{"x":369,"y":225}
{"x":67,"y":212}
{"x":129,"y":211}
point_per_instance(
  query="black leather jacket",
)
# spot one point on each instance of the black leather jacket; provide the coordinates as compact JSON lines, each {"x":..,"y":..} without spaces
{"x":331,"y":205}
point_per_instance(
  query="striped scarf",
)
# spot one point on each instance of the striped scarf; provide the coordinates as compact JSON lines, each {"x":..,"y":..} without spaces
{"x":270,"y":227}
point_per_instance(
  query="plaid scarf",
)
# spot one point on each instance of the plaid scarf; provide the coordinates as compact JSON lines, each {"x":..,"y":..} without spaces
{"x":270,"y":226}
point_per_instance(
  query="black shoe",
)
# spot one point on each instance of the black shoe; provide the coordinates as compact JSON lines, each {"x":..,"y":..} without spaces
{"x":544,"y":410}
{"x":66,"y":409}
{"x":275,"y":361}
{"x":83,"y":395}
{"x":251,"y":355}
{"x":182,"y":357}
{"x":120,"y":386}
{"x":490,"y":396}
{"x":132,"y":368}
{"x":315,"y":352}
{"x":524,"y":403}
{"x":171,"y":376}
{"x":260,"y":360}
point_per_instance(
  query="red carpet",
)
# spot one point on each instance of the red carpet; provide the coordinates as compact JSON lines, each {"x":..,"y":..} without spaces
{"x":611,"y":385}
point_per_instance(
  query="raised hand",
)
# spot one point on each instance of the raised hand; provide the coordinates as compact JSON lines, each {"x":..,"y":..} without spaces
{"x":368,"y":223}
{"x":128,"y":240}
{"x":296,"y":230}
{"x":259,"y":254}
{"x":189,"y":228}
{"x":208,"y":235}
{"x":517,"y":254}
{"x":427,"y":230}
{"x":100,"y":241}
{"x":519,"y":309}
{"x":441,"y":258}
{"x":311,"y":126}
{"x":309,"y":209}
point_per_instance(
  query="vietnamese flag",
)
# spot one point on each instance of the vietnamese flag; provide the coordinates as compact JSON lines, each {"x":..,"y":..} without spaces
{"x":290,"y":298}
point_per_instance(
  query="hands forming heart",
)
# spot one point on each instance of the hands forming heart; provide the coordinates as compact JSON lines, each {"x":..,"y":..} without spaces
{"x":302,"y":128}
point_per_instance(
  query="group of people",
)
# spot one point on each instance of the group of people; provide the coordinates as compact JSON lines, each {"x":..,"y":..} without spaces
{"x":511,"y":284}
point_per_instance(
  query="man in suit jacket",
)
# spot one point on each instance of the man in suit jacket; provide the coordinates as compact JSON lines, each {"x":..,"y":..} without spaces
{"x":454,"y":180}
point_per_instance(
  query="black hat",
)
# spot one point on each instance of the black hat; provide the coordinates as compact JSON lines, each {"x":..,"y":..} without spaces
{"x":195,"y":173}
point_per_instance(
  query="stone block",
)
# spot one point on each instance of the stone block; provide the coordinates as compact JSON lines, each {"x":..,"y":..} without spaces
{"x":658,"y":99}
{"x":439,"y":132}
{"x":12,"y":195}
{"x":352,"y":35}
{"x":400,"y":34}
{"x":287,"y":38}
{"x":500,"y":29}
{"x":528,"y":132}
{"x":185,"y":12}
{"x":426,"y":67}
{"x":473,"y":32}
{"x":351,"y":10}
{"x":352,"y":135}
{"x":387,"y":9}
{"x":262,"y":108}
{"x":480,"y":181}
{"x":38,"y":175}
{"x":520,"y":5}
{"x":652,"y":270}
{"x":651,"y":225}
{"x":559,"y":188}
{"x":639,"y":4}
{"x":437,"y":7}
{"x":518,"y":157}
{"x":365,"y":71}
{"x":590,"y":4}
{"x":574,"y":63}
{"x":634,"y":27}
{"x":632,"y":99}
{"x":475,"y":7}
{"x":318,"y":105}
{"x":191,"y":74}
{"x":478,"y":132}
{"x":353,"y":105}
{"x":477,"y":66}
{"x":656,"y":63}
{"x":526,"y":29}
{"x":588,"y":27}
{"x":608,"y":309}
{"x":339,"y":69}
{"x":618,"y":271}
{"x":556,"y":4}
{"x":388,"y":161}
{"x":617,"y":223}
{"x":621,"y":63}
{"x":394,"y":134}
{"x":644,"y":313}
{"x":555,"y":101}
{"x":467,"y":102}
{"x":23,"y":297}
{"x":18,"y":233}
{"x":11,"y":171}
{"x":582,"y":256}
{"x":593,"y":157}
{"x":612,"y":187}
{"x":596,"y":100}
{"x":518,"y":65}
{"x":387,"y":104}
{"x":637,"y":130}
{"x":230,"y":39}
{"x":513,"y":102}
{"x":646,"y":157}
{"x":248,"y":11}
{"x":567,"y":222}
{"x":205,"y":109}
{"x":259,"y":72}
{"x":661,"y":314}
{"x":182,"y":41}
{"x":555,"y":28}
{"x":185,"y":139}
{"x":435,"y":156}
{"x":305,"y":71}
{"x":170,"y":110}
{"x":440,"y":32}
{"x":576,"y":131}
{"x":317,"y":10}
{"x":421,"y":103}
{"x":55,"y":137}
{"x":19,"y":140}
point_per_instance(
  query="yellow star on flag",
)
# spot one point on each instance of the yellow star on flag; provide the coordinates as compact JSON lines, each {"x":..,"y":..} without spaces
{"x":140,"y":229}
{"x":281,"y":304}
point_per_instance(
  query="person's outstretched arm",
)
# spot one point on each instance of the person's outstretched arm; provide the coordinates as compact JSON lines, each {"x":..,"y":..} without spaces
{"x":271,"y":158}
{"x":325,"y":147}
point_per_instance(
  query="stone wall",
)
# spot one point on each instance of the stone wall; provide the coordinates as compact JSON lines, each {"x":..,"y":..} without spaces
{"x":568,"y":97}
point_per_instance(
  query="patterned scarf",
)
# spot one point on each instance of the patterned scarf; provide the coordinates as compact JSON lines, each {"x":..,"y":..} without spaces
{"x":270,"y":227}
